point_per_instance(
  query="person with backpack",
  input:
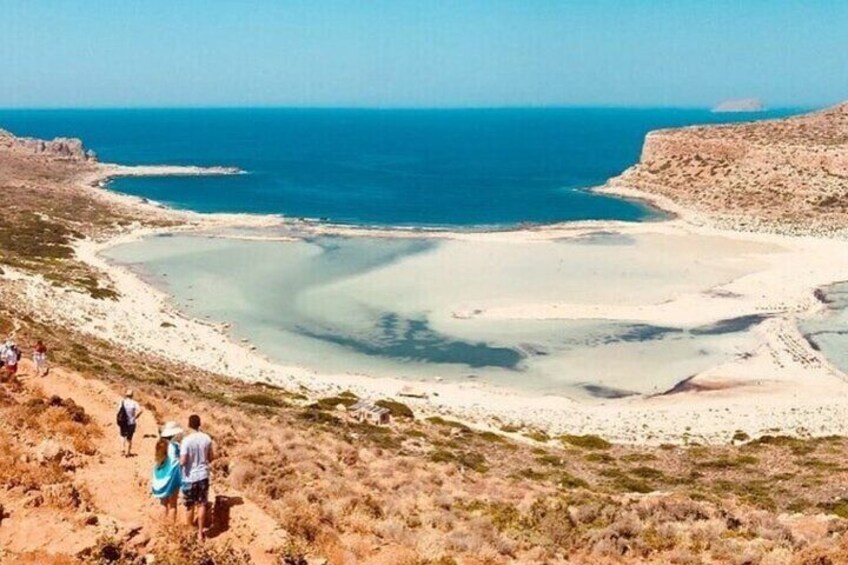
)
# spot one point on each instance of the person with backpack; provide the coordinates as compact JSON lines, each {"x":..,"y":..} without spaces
{"x":11,"y":356}
{"x":128,"y":413}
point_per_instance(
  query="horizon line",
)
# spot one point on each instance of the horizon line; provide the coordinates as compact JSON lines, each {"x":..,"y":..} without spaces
{"x":407,"y":108}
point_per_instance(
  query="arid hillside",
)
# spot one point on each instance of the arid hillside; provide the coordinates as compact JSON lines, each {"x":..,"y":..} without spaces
{"x":760,"y":175}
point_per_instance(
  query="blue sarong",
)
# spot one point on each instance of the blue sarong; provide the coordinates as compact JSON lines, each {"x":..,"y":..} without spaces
{"x":167,"y":477}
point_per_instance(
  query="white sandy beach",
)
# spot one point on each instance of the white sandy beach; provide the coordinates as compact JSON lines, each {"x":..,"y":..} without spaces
{"x":781,"y":384}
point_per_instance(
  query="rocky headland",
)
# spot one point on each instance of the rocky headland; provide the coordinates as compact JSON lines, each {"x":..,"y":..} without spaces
{"x":776,"y":175}
{"x":59,"y":148}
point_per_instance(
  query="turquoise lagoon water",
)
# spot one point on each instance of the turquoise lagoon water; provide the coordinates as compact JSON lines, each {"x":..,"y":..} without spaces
{"x":384,"y":307}
{"x":386,"y":167}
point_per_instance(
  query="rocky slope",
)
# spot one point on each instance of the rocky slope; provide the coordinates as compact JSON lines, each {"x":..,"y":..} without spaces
{"x":776,"y":174}
{"x":59,"y":148}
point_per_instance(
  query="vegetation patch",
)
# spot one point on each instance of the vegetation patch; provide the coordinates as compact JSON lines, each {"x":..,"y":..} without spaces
{"x":586,"y":441}
{"x":259,"y":399}
{"x":396,"y":409}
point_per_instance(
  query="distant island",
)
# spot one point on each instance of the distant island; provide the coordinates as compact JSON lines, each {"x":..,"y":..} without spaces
{"x":740,"y":105}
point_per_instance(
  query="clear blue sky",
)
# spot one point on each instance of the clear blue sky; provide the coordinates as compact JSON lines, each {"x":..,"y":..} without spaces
{"x":66,"y":53}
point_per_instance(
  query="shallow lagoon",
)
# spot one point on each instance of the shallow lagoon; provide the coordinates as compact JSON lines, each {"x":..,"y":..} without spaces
{"x":388,"y":306}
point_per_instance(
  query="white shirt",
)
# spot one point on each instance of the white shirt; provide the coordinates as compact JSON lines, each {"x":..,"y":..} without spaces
{"x":131,"y":408}
{"x":195,"y":448}
{"x":10,"y":357}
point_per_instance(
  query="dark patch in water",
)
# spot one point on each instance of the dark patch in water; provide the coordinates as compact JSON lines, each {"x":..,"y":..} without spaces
{"x":730,"y":325}
{"x":622,"y":333}
{"x":813,"y":343}
{"x":642,"y":332}
{"x":821,"y":296}
{"x":413,"y":340}
{"x":599,"y":391}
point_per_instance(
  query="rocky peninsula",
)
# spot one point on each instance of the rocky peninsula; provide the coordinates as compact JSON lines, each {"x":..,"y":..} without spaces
{"x":787,"y":175}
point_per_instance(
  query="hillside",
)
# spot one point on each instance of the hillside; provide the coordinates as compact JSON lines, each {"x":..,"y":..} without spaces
{"x":772,"y":175}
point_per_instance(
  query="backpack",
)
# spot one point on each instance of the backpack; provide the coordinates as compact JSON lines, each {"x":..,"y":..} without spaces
{"x":123,"y":419}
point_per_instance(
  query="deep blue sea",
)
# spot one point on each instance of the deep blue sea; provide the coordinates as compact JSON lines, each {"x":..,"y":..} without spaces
{"x":383,"y":167}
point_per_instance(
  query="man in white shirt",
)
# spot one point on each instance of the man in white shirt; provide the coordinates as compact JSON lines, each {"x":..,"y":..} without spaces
{"x":133,"y":411}
{"x":196,"y":454}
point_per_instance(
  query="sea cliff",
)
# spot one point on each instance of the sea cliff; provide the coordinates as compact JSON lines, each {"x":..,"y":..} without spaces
{"x":60,"y":147}
{"x":789,"y":174}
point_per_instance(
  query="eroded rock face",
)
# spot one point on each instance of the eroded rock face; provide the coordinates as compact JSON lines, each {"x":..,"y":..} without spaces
{"x":789,"y":171}
{"x":60,"y":148}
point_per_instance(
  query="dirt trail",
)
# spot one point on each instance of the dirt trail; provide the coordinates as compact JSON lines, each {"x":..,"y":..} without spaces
{"x":119,"y":486}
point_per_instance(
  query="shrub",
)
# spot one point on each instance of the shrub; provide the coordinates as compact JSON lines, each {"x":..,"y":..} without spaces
{"x":439,"y":421}
{"x":330,"y":403}
{"x":586,"y":441}
{"x":396,"y":409}
{"x":259,"y":399}
{"x":569,"y":481}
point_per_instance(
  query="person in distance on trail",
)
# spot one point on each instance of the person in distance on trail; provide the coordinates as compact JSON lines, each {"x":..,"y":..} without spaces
{"x":128,"y":413}
{"x":39,"y":355}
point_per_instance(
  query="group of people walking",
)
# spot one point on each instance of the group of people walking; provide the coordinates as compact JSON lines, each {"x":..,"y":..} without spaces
{"x":181,"y":463}
{"x":11,"y":354}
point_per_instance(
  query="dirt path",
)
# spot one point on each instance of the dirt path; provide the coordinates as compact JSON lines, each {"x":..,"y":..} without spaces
{"x":119,"y":486}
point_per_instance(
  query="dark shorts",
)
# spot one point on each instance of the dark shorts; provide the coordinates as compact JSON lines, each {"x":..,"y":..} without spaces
{"x":128,"y":431}
{"x":196,"y":492}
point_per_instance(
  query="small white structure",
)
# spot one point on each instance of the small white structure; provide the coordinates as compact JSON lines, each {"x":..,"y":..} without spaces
{"x":368,"y":413}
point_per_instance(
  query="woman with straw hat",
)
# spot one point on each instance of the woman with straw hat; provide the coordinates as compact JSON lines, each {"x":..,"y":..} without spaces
{"x":167,"y":472}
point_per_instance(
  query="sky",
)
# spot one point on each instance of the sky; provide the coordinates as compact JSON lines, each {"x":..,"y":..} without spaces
{"x":428,"y":53}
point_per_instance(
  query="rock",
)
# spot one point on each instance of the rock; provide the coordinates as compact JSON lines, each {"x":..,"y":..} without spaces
{"x":49,"y":450}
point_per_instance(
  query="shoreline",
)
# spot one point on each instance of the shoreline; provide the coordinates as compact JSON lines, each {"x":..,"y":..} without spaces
{"x":628,"y":420}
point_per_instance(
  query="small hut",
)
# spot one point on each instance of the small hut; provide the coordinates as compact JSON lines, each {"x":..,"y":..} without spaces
{"x":369,"y":413}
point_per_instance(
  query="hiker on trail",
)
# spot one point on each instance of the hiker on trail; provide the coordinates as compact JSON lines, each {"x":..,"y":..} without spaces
{"x":128,"y":413}
{"x":167,"y":472}
{"x":196,"y":454}
{"x":11,"y":356}
{"x":40,"y":357}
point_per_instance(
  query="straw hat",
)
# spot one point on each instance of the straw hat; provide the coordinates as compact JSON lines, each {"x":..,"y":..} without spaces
{"x":170,"y":429}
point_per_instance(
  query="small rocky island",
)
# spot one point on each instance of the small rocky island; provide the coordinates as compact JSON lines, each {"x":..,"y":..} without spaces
{"x":740,"y":105}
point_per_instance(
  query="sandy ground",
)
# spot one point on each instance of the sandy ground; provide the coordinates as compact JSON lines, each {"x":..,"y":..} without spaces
{"x":783,"y":386}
